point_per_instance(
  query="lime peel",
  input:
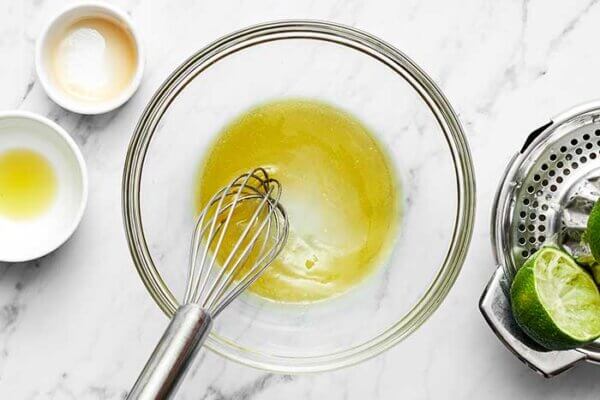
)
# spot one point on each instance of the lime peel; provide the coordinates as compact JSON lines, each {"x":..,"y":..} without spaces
{"x":555,"y":301}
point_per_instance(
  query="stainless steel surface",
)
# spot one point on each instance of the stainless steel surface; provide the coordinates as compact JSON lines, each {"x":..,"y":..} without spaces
{"x":211,"y":285}
{"x":545,"y":197}
{"x":173,"y":354}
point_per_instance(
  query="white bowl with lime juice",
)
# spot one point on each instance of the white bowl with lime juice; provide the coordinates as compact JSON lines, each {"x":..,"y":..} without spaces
{"x":43,"y":186}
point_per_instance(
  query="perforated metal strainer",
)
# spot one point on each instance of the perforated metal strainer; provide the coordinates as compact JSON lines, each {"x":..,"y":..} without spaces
{"x":545,"y":197}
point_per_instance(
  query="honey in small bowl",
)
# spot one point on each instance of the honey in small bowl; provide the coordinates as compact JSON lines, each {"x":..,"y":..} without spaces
{"x":93,"y":59}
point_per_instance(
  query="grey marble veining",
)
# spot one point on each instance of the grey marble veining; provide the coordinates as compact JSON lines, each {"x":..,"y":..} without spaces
{"x":78,"y":323}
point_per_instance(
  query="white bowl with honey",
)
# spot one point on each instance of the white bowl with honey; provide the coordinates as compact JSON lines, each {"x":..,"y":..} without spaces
{"x":43,"y":186}
{"x":89,"y":58}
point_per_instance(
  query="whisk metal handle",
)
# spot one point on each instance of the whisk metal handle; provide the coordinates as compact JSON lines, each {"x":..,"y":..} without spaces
{"x":173,"y":354}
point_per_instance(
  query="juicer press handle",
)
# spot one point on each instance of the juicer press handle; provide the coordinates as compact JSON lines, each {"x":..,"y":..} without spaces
{"x":173,"y":354}
{"x":495,"y":307}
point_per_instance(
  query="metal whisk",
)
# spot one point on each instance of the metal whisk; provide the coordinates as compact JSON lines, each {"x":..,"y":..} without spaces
{"x":217,"y":275}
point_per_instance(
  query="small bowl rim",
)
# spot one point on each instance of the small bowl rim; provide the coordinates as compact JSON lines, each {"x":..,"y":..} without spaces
{"x":62,"y":134}
{"x":71,"y":104}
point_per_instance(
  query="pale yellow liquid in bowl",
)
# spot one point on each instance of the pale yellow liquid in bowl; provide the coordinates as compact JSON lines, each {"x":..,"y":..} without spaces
{"x":28,"y":184}
{"x":339,"y":190}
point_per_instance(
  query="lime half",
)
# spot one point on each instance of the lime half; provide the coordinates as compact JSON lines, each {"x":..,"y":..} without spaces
{"x":555,"y":301}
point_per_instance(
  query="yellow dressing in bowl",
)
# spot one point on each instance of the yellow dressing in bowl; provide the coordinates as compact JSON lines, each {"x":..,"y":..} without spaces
{"x":339,"y":190}
{"x":28,"y":184}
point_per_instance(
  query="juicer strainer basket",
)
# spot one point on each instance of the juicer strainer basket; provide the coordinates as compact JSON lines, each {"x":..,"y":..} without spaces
{"x":545,"y":197}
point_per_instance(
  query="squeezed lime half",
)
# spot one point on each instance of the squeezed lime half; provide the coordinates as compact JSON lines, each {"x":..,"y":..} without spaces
{"x":555,"y":301}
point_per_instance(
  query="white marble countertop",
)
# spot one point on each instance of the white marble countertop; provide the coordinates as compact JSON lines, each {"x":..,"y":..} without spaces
{"x":79,"y":324}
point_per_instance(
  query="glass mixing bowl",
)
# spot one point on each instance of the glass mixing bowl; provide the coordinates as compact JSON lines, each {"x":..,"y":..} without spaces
{"x":358,"y":73}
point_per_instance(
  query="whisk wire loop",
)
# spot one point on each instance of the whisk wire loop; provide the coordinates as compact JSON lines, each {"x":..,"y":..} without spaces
{"x":227,"y":270}
{"x":261,"y":239}
{"x":216,"y":218}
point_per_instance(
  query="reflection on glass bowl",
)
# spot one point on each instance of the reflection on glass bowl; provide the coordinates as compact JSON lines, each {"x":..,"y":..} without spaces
{"x":410,"y":118}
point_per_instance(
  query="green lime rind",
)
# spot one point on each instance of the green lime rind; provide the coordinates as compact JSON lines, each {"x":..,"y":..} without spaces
{"x":587,"y":260}
{"x":595,"y":270}
{"x":555,"y":301}
{"x":592,"y":234}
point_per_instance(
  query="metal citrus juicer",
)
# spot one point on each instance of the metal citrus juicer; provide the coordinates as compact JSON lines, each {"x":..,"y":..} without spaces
{"x":545,"y":197}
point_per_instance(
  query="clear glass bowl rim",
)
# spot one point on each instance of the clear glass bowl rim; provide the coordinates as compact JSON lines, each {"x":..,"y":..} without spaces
{"x":368,"y":45}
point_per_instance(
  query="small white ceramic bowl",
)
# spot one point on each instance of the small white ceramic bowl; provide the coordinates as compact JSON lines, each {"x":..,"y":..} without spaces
{"x":28,"y":239}
{"x":50,"y":32}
